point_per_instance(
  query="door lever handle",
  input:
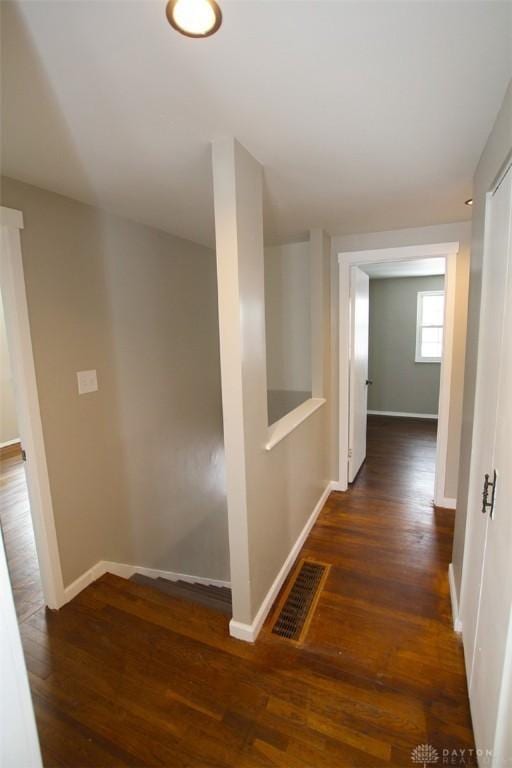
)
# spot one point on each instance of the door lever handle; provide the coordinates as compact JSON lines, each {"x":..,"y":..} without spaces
{"x":486,"y":504}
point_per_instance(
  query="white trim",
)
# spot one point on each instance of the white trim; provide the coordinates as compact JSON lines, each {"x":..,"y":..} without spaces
{"x":249,"y":632}
{"x":83,"y":581}
{"x":400,"y":253}
{"x":457,"y":623}
{"x":123,"y":570}
{"x":445,"y":379}
{"x":27,"y":406}
{"x":154,"y":573}
{"x":9,"y":217}
{"x":126,"y":571}
{"x":403,"y":415}
{"x":7,"y":443}
{"x":348,"y":259}
{"x":446,"y":502}
{"x":282,"y":428}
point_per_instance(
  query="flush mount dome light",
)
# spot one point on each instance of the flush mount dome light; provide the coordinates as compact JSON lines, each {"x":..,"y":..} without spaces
{"x":194,"y":18}
{"x":468,"y":202}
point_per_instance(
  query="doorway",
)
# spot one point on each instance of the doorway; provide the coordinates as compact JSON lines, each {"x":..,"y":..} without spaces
{"x":397,"y":334}
{"x":27,"y":510}
{"x":15,"y":518}
{"x":355,"y":377}
{"x":18,"y":534}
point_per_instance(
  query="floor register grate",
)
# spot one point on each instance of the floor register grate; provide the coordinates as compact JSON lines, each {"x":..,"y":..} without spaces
{"x":300,"y":601}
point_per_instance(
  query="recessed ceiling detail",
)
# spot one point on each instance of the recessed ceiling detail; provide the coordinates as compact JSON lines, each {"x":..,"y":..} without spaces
{"x":194,"y":18}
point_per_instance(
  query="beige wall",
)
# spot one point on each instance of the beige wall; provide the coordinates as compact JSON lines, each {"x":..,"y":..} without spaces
{"x":287,"y":327}
{"x":460,"y":231}
{"x":288,"y":317}
{"x":496,"y":151}
{"x":271,"y":494}
{"x":136,"y":469}
{"x":8,"y":420}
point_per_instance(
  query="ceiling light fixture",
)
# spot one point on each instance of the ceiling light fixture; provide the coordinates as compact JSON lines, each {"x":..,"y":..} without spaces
{"x":468,"y":202}
{"x":194,"y":18}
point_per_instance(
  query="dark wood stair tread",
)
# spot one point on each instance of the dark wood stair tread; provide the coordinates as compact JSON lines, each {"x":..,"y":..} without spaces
{"x":216,"y":598}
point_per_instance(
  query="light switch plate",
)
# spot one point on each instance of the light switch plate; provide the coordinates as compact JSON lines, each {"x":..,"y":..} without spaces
{"x":87,"y":382}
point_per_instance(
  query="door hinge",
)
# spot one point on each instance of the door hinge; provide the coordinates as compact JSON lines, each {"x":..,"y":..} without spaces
{"x":23,"y":454}
{"x":350,"y":453}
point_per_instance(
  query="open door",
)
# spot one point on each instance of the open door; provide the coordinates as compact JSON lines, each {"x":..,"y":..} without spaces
{"x":487,"y":625}
{"x":358,"y":387}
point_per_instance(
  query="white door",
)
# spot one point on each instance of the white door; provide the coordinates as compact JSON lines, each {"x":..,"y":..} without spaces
{"x":358,"y":397}
{"x":486,"y":619}
{"x":489,"y":355}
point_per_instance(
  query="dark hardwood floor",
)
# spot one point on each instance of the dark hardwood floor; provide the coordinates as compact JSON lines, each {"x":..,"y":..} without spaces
{"x":16,"y":526}
{"x":125,"y":675}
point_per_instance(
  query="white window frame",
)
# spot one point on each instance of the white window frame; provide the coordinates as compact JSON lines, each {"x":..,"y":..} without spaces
{"x":419,"y":358}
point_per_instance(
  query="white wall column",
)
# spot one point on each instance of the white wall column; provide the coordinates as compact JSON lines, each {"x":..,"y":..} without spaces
{"x":277,"y":477}
{"x":240,"y":279}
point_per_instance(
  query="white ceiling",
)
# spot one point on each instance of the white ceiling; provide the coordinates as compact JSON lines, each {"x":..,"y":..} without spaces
{"x":366,"y":115}
{"x":417,"y":268}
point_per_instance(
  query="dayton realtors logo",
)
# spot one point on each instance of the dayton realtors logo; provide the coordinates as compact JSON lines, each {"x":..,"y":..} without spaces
{"x":424,"y":754}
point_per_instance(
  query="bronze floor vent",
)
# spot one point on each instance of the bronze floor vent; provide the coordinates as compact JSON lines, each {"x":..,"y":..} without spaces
{"x":299,"y":601}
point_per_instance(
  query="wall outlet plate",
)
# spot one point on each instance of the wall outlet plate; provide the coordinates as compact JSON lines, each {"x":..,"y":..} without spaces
{"x":87,"y":382}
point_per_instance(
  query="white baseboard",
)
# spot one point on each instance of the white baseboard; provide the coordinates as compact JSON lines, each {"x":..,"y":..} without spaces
{"x":126,"y":571}
{"x":154,"y":573}
{"x":10,"y":442}
{"x":457,"y":624}
{"x":403,"y":415}
{"x":445,"y":502}
{"x":83,"y":581}
{"x":249,"y":632}
{"x":335,"y":485}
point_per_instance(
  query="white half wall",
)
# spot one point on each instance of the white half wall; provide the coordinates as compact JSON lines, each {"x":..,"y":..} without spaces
{"x":272,"y":493}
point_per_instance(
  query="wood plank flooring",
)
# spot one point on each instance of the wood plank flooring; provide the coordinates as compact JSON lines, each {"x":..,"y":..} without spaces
{"x":18,"y":534}
{"x":125,"y":675}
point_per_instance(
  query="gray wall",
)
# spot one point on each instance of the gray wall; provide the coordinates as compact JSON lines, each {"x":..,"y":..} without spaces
{"x":439,"y":233}
{"x":136,"y":469}
{"x":399,"y":383}
{"x":287,"y":327}
{"x":498,"y":147}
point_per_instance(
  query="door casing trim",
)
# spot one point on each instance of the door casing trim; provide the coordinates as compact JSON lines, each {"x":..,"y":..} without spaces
{"x":348,"y":259}
{"x":21,"y":355}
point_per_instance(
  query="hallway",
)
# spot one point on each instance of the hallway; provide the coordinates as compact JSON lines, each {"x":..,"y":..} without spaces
{"x":126,"y":675}
{"x":386,"y":608}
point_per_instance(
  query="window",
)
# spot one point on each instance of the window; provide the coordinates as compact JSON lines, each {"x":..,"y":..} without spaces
{"x":429,"y":327}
